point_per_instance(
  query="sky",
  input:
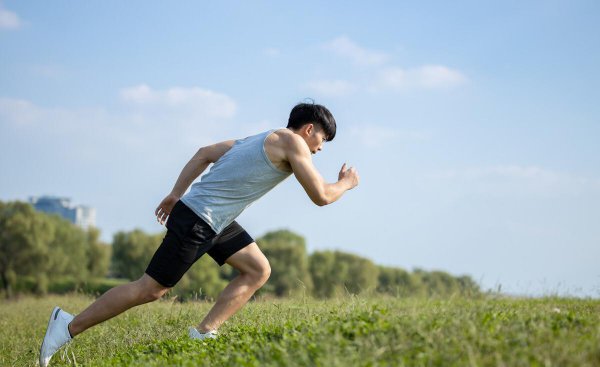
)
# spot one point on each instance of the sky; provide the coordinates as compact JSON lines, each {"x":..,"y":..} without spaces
{"x":474,"y":125}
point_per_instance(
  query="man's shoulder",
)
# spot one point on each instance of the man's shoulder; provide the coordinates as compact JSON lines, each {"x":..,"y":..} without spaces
{"x":278,"y":146}
{"x":286,"y":139}
{"x":282,"y":133}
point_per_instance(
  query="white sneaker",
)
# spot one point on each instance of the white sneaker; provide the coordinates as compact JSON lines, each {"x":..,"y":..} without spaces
{"x":56,"y":336}
{"x":195,"y":334}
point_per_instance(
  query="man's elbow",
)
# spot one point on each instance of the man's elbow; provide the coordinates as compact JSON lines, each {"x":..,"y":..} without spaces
{"x":321,"y":201}
{"x":203,"y":155}
{"x":320,"y":197}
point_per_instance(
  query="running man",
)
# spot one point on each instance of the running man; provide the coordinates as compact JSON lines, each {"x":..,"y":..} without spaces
{"x":203,"y":221}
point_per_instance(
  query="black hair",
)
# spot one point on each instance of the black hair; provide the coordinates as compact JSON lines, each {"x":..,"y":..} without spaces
{"x":306,"y":113}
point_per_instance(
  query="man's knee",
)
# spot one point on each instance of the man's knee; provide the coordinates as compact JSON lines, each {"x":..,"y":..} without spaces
{"x":261,"y":273}
{"x":252,"y":265}
{"x":151,"y":295}
{"x":150,"y":290}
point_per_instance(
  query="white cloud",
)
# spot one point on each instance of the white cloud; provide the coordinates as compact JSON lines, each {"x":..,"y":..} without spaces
{"x":517,"y":180}
{"x":426,"y":77}
{"x":48,"y":71}
{"x":9,"y":19}
{"x":17,"y":111}
{"x":432,"y":77}
{"x":438,"y":76}
{"x":272,"y":51}
{"x":203,"y":102}
{"x":503,"y":171}
{"x":179,"y":118}
{"x":331,"y":88}
{"x":345,"y":47}
{"x":384,"y":77}
{"x":74,"y":125}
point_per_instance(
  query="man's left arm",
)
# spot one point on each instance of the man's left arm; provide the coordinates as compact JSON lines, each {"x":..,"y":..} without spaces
{"x":194,"y":168}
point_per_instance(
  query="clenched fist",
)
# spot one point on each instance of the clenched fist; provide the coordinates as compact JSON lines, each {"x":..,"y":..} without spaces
{"x":349,"y":175}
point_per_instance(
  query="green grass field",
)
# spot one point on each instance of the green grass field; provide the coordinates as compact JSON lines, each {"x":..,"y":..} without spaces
{"x":351,"y":331}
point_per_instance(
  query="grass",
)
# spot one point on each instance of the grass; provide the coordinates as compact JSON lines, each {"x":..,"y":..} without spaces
{"x":350,"y":331}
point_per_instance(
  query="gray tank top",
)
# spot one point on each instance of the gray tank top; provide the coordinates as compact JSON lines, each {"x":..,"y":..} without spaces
{"x":239,"y":178}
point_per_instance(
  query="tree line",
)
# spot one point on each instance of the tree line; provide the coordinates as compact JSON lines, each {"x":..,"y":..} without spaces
{"x":43,"y":253}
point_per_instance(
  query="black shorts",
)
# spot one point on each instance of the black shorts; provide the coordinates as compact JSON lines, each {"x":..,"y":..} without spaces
{"x":188,"y":238}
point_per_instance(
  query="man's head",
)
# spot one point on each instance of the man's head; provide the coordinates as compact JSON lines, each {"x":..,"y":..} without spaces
{"x":314,"y":123}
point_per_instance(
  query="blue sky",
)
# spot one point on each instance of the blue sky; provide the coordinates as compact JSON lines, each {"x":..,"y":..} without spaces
{"x":474,"y":126}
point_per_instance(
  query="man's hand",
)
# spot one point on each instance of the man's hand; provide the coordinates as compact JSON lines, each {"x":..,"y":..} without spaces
{"x":164,"y":208}
{"x":349,"y":175}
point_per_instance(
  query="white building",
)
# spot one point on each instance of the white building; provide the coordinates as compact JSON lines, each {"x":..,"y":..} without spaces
{"x":83,"y":216}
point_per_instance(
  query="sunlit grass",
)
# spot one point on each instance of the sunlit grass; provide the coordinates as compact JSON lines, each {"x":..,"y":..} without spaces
{"x":350,"y":331}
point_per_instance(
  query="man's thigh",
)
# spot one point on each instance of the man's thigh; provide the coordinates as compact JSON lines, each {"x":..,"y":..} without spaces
{"x":188,"y":237}
{"x":250,"y":259}
{"x":230,"y":241}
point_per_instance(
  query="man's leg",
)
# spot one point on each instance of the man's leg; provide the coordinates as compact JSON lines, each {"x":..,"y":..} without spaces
{"x":62,"y":326}
{"x":117,"y":300}
{"x":254,"y":271}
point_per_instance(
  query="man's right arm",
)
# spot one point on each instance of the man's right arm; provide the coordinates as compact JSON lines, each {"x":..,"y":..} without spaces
{"x":319,"y":191}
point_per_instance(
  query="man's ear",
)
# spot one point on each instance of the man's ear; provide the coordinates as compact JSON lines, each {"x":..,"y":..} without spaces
{"x":309,"y":128}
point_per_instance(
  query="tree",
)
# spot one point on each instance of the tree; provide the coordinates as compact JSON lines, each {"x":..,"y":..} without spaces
{"x":440,"y":283}
{"x":24,"y":238}
{"x":362,"y":273}
{"x":287,"y":256}
{"x":202,"y":280}
{"x":67,"y":251}
{"x":333,"y":272}
{"x":132,"y":252}
{"x":394,"y":281}
{"x":98,"y":254}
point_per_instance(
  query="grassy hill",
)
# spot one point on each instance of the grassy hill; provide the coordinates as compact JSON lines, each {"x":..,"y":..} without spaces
{"x":352,"y":331}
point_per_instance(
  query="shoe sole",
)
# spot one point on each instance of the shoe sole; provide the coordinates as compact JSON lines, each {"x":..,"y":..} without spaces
{"x":53,"y":315}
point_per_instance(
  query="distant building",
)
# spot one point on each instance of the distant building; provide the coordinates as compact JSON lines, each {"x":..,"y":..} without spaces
{"x":83,"y":216}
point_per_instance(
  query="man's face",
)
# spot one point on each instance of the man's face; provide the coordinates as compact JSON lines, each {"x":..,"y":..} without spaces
{"x":315,"y":140}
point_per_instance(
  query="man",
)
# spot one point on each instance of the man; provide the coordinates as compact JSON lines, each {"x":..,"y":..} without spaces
{"x":203,"y":221}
